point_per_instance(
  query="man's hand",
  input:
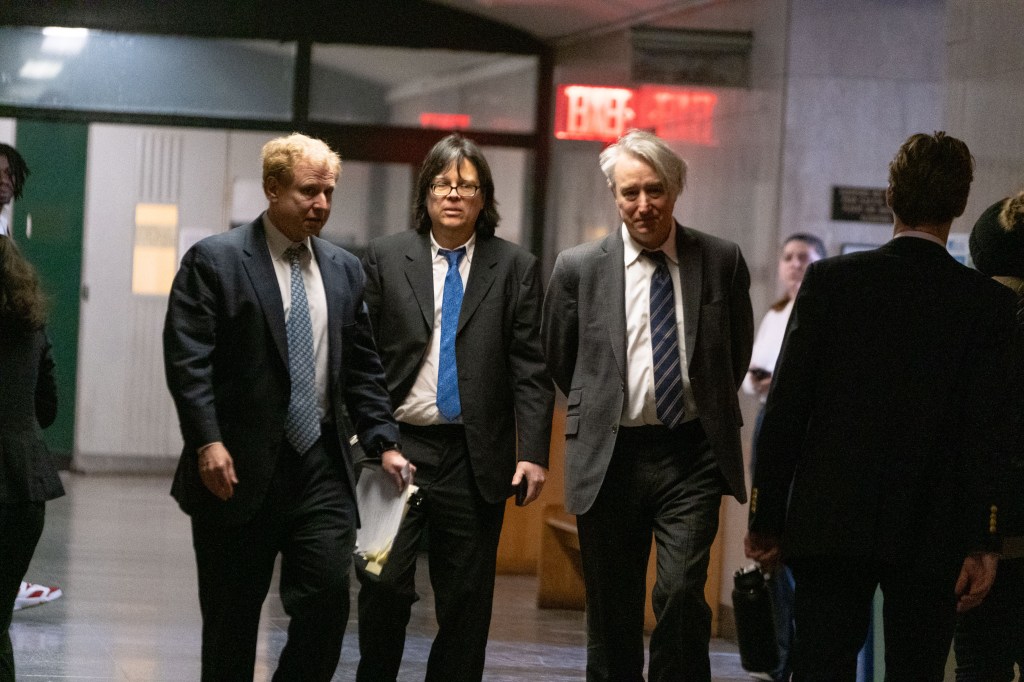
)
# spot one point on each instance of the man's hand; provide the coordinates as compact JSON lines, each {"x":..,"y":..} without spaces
{"x":764,"y":549}
{"x":217,"y":470}
{"x":976,"y":578}
{"x":535,"y":476}
{"x":397,"y":467}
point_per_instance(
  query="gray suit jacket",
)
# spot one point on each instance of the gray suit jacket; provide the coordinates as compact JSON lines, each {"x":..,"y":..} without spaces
{"x":507,"y":394}
{"x":585,"y":340}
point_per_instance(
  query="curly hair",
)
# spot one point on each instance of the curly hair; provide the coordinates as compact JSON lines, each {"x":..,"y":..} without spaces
{"x":929,"y":179}
{"x":19,"y":169}
{"x":281,"y":154}
{"x":453,"y":150}
{"x":23,"y":305}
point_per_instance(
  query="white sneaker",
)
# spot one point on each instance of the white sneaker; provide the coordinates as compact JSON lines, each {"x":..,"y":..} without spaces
{"x":31,"y":594}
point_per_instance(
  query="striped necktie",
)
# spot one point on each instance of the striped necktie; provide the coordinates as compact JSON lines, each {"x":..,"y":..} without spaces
{"x":668,"y":377}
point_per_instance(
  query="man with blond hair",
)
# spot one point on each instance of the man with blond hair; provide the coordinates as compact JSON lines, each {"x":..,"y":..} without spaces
{"x":266,"y":343}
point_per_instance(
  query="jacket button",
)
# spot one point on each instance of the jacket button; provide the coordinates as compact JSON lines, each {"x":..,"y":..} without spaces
{"x":615,"y":428}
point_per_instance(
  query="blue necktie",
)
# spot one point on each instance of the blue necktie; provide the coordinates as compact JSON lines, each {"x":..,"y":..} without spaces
{"x":451,"y":304}
{"x":668,"y":377}
{"x":302,"y":427}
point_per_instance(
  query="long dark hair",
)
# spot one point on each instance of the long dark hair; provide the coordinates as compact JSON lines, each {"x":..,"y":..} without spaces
{"x":453,"y":150}
{"x":23,"y":305}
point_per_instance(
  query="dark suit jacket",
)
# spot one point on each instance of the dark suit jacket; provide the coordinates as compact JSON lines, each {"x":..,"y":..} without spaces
{"x":226,"y":360}
{"x":504,"y":386}
{"x":883,"y":413}
{"x":585,"y":340}
{"x":28,"y":401}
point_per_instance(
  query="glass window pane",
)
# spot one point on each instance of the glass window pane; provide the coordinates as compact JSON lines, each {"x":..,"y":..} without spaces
{"x":97,"y":70}
{"x":492,"y":92}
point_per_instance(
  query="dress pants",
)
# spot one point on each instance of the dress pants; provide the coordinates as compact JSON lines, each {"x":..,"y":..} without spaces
{"x":462,"y":532}
{"x":833,"y":610}
{"x":667,"y":483}
{"x":21,"y":524}
{"x":309,"y":518}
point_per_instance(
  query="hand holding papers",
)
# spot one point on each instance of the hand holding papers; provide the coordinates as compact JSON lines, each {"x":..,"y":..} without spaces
{"x":381,"y":509}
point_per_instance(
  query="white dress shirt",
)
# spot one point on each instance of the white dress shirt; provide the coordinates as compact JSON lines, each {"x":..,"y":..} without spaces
{"x":639,"y":407}
{"x":420,"y":405}
{"x":768,"y":344}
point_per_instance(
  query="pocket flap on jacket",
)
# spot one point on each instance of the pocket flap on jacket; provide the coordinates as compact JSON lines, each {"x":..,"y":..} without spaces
{"x":574,"y":397}
{"x":572,"y":424}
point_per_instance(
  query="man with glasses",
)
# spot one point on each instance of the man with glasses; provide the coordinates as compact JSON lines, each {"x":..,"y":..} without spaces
{"x":456,"y":315}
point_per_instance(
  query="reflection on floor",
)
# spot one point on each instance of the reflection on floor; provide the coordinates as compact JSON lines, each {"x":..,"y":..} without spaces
{"x":121,"y":550}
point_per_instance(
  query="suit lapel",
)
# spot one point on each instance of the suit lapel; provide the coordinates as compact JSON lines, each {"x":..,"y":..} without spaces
{"x":481,"y":277}
{"x":610,"y":288}
{"x":691,"y":277}
{"x":260,"y":269}
{"x":419,"y":274}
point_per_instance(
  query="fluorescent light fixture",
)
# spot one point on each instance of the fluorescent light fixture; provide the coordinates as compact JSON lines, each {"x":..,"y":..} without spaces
{"x":40,"y":69}
{"x":60,"y":40}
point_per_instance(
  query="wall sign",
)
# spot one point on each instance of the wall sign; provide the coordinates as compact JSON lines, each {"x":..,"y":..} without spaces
{"x":589,"y":112}
{"x":860,"y":204}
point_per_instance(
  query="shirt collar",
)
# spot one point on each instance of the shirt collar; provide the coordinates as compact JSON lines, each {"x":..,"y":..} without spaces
{"x":918,"y":234}
{"x":469,"y":245}
{"x":277,"y":242}
{"x":632,"y":251}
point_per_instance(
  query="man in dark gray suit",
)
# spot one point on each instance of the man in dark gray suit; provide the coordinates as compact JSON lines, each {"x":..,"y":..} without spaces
{"x":648,"y":333}
{"x":456,"y":315}
{"x":266,"y":344}
{"x":881,"y":432}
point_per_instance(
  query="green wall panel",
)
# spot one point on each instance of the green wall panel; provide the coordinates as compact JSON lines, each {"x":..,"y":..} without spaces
{"x":54,"y":202}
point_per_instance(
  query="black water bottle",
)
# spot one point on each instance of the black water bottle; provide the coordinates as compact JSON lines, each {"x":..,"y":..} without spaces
{"x":755,"y":627}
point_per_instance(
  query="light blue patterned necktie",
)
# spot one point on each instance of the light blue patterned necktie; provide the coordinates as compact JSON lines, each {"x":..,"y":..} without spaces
{"x":668,"y":377}
{"x":302,"y":427}
{"x":451,"y":304}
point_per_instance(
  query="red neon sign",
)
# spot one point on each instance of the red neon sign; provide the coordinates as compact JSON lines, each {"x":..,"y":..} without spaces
{"x":430,"y":119}
{"x":586,"y":112}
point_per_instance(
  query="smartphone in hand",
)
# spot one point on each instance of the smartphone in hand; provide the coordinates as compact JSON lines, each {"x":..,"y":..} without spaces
{"x":520,"y":491}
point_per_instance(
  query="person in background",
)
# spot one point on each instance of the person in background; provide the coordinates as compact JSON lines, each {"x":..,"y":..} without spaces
{"x":648,"y":334}
{"x":13,"y":172}
{"x":473,"y":400}
{"x":266,"y":343}
{"x":989,"y":640}
{"x":798,"y":251}
{"x":881,"y":432}
{"x":28,"y":393}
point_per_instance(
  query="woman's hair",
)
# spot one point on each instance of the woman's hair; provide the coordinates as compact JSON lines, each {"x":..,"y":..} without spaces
{"x":23,"y":305}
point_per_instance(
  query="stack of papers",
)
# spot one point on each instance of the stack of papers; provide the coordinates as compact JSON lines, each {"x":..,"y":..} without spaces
{"x":381,"y":510}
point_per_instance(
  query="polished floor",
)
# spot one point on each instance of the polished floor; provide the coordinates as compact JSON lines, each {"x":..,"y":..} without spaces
{"x":120,"y":549}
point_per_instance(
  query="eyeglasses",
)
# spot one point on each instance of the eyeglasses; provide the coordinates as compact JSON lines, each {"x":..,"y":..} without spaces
{"x":443,"y":189}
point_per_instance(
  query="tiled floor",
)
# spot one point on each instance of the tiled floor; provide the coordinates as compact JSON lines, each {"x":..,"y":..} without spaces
{"x":121,"y":550}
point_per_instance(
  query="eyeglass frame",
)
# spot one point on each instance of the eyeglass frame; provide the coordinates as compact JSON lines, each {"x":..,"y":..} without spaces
{"x":475,"y":188}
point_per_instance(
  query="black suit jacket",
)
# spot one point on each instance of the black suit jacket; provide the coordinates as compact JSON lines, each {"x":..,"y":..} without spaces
{"x":226,"y":361}
{"x":585,"y":340}
{"x":506,"y":393}
{"x":28,"y":401}
{"x":884,"y":410}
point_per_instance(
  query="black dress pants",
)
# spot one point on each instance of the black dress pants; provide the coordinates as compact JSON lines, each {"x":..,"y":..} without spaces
{"x":833,"y":610}
{"x":665,"y":483}
{"x":21,"y":524}
{"x":462,"y":531}
{"x":309,"y":519}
